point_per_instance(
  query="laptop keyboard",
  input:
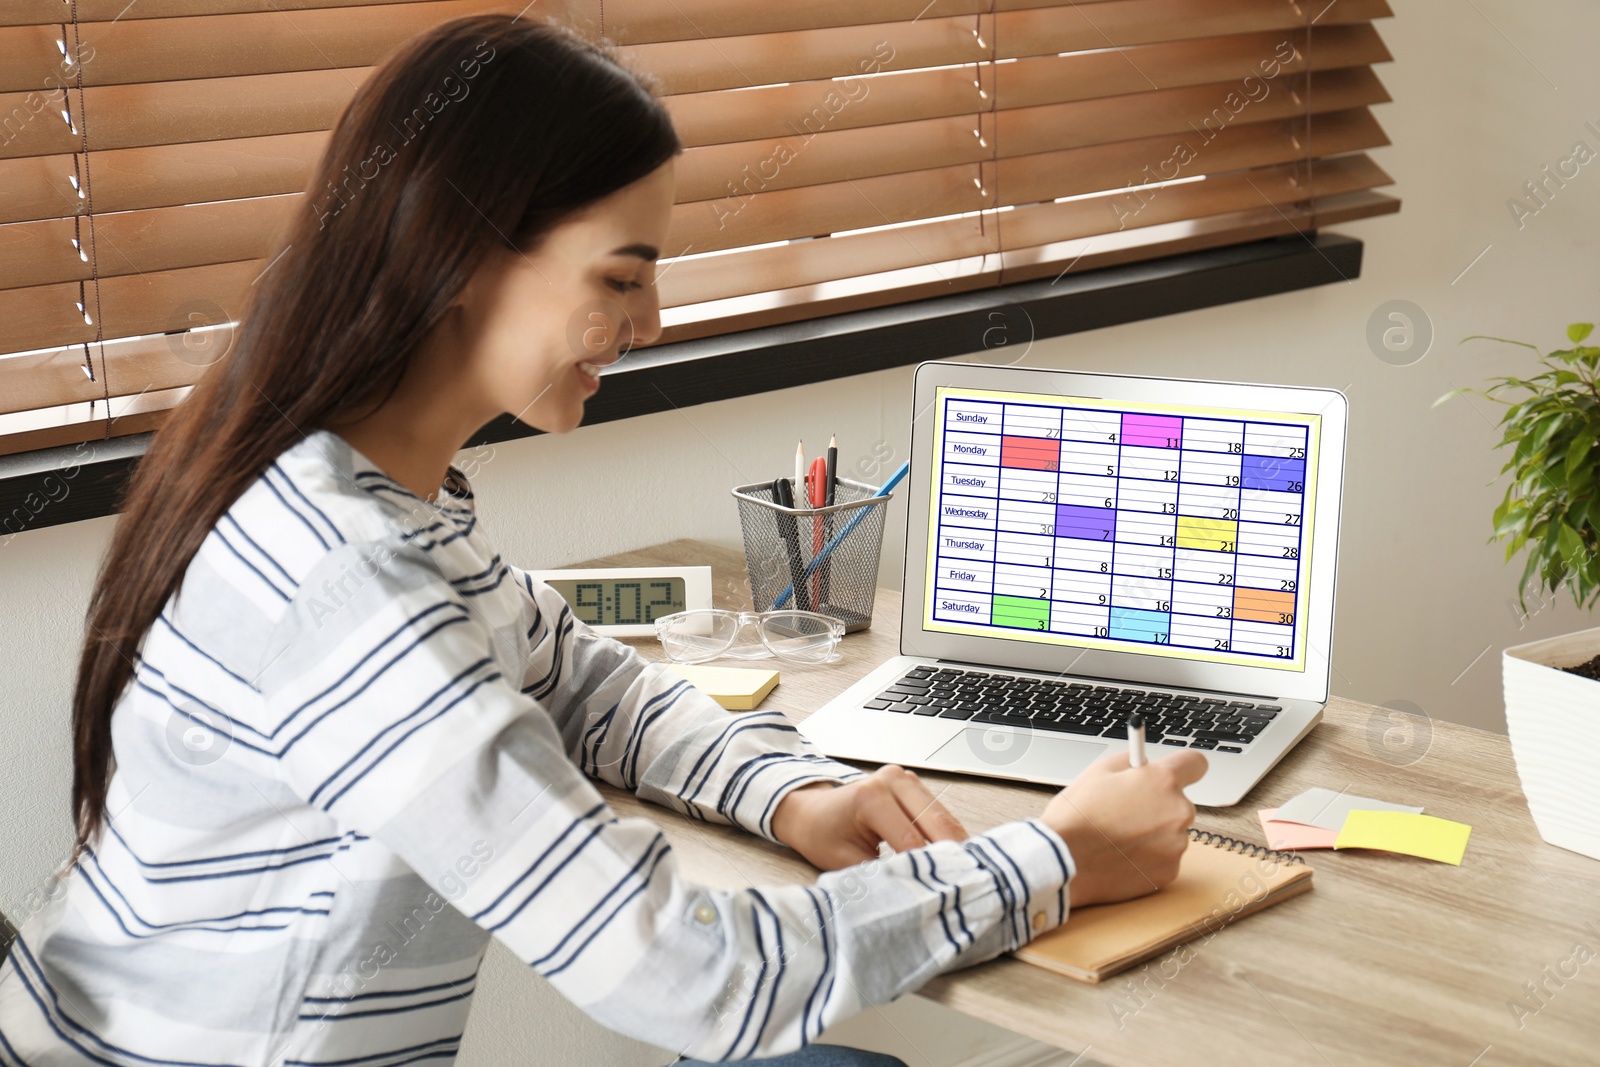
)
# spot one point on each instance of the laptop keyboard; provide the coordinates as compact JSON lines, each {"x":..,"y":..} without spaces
{"x":1180,"y":720}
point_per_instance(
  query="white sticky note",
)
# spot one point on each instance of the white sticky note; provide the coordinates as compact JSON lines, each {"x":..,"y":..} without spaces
{"x":1328,"y":809}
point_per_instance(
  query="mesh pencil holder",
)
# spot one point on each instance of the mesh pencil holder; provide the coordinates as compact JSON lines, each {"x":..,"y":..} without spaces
{"x":815,"y":559}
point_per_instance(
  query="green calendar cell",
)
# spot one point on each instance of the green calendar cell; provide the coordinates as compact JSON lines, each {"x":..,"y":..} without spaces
{"x":1024,"y":612}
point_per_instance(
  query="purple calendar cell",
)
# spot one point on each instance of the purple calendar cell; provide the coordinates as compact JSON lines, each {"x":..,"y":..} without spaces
{"x":1089,"y":524}
{"x":1278,"y":473}
{"x":1152,"y":431}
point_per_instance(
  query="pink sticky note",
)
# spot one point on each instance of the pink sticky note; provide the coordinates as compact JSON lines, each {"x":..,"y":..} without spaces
{"x":1294,"y":835}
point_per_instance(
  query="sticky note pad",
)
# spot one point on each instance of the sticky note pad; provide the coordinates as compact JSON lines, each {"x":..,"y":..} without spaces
{"x":735,"y":688}
{"x":1327,"y":809}
{"x":1293,"y":835}
{"x":1401,"y":831}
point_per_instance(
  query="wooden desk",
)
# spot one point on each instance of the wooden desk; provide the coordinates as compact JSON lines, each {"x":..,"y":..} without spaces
{"x":1390,"y":960}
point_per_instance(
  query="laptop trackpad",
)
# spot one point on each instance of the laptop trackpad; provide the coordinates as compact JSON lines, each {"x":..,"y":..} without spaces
{"x":1016,"y":753}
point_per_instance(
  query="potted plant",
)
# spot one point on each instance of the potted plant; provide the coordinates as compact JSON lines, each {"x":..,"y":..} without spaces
{"x":1551,"y":510}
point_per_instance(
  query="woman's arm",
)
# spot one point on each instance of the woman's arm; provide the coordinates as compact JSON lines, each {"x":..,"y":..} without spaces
{"x":404,"y":728}
{"x":638,"y":726}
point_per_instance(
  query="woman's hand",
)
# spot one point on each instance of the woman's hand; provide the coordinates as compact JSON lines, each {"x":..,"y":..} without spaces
{"x":1127,"y":827}
{"x":841,"y":825}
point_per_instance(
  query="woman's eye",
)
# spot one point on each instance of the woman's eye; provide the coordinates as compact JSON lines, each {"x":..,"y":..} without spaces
{"x":622,"y":286}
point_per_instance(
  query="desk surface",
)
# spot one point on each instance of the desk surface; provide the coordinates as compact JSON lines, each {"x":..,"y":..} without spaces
{"x":1389,"y":960}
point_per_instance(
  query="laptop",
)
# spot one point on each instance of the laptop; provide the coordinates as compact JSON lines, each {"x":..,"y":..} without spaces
{"x":1081,"y":547}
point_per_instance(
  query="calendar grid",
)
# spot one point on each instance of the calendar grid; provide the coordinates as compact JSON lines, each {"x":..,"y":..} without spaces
{"x":1121,"y":527}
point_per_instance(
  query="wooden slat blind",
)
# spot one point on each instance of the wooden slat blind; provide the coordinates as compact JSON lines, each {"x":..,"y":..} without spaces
{"x":838,"y":154}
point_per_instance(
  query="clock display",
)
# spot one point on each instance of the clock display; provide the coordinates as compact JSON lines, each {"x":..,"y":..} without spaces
{"x":621,"y":601}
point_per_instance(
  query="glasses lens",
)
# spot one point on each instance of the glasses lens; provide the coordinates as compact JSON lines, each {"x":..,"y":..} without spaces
{"x":692,"y":636}
{"x":801,"y":635}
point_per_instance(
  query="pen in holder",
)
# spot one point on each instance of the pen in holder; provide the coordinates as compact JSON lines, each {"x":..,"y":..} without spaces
{"x":814,"y":559}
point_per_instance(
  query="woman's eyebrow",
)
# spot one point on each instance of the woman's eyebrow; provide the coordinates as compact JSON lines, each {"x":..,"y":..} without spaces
{"x":645,"y":252}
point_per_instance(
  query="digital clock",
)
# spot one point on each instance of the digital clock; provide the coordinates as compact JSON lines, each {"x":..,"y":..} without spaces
{"x":626,"y":601}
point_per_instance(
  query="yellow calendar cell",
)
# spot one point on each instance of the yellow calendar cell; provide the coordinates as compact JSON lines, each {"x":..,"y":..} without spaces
{"x":1211,"y":535}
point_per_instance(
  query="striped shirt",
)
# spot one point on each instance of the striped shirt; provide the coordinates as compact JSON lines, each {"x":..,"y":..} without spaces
{"x":358,"y":743}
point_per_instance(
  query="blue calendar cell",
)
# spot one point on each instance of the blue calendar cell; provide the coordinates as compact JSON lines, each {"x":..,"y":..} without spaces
{"x":1132,"y":624}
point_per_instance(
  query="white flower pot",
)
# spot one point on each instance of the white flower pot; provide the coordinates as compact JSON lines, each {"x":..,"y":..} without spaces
{"x":1553,"y":718}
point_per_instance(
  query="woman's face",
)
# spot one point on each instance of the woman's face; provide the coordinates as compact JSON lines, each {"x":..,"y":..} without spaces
{"x":541,"y":325}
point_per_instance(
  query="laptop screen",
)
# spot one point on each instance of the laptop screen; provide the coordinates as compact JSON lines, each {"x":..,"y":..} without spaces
{"x":1168,"y":530}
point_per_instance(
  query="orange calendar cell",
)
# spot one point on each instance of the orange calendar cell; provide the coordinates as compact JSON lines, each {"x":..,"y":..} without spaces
{"x":1263,"y":605}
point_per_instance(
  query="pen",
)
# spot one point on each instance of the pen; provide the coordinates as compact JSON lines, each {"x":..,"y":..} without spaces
{"x":832,"y":481}
{"x":1135,"y":740}
{"x":833,"y":469}
{"x":788,"y":529}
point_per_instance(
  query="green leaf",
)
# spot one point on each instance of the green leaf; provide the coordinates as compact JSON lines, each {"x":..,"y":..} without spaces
{"x":1577,"y":453}
{"x":1529,"y":569}
{"x":1452,"y":394}
{"x":1578,"y":331}
{"x":1542,"y":432}
{"x":1510,"y":522}
{"x":1549,"y":549}
{"x":1571,"y":544}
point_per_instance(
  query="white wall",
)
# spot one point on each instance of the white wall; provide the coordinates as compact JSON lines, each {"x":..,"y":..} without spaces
{"x":1423,"y":599}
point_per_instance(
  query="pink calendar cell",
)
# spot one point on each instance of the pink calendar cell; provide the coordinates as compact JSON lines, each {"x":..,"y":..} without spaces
{"x":1152,"y":431}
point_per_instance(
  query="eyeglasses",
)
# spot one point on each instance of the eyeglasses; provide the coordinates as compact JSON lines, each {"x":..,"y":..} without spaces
{"x":706,"y":633}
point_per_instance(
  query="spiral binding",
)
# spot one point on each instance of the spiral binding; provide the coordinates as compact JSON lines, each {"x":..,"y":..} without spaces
{"x":1233,"y":844}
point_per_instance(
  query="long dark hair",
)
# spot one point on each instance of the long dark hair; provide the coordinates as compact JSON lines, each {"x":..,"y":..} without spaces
{"x":484,"y":131}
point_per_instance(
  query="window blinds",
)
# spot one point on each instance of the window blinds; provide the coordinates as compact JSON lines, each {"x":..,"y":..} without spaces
{"x":837,"y":156}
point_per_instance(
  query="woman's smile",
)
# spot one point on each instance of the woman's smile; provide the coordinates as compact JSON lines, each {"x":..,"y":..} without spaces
{"x":589,"y":372}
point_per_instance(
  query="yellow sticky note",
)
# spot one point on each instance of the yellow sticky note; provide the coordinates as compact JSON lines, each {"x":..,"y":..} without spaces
{"x":735,"y":688}
{"x":1401,"y":831}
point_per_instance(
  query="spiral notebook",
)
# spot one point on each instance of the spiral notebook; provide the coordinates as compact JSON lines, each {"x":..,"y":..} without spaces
{"x":1220,"y":879}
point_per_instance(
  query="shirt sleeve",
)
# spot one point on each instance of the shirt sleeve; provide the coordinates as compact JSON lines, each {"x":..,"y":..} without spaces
{"x":403,"y":727}
{"x":638,"y":726}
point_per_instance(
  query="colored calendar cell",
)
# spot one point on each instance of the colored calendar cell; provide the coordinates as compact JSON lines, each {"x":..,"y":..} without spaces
{"x":1214,"y":535}
{"x":1273,"y":473}
{"x":1030,"y":453}
{"x":1027,"y":613}
{"x":1111,"y":528}
{"x":1263,"y":605}
{"x":1152,"y":431}
{"x":1088,"y":524}
{"x":1132,"y":624}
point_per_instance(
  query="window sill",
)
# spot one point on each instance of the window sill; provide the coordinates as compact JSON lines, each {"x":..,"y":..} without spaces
{"x":76,"y":482}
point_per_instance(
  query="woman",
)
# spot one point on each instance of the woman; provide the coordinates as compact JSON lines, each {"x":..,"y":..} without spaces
{"x":327,"y":742}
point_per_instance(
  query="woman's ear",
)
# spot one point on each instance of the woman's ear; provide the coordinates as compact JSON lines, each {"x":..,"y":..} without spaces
{"x":483,"y":282}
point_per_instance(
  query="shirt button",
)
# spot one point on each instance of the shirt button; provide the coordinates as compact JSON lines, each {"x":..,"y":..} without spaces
{"x":1039,"y":920}
{"x":706,"y":913}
